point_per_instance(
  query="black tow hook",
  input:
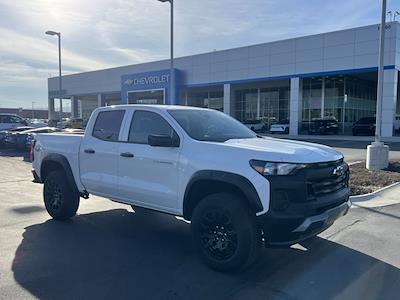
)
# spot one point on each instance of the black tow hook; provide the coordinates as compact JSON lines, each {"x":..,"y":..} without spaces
{"x":84,"y":195}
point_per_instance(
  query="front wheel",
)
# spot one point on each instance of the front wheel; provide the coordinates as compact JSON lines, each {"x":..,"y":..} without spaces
{"x":225,"y":232}
{"x":61,"y":200}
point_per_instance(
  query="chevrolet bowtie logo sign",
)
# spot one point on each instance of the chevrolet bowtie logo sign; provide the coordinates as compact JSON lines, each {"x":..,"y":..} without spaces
{"x":338,"y":171}
{"x":147,"y":80}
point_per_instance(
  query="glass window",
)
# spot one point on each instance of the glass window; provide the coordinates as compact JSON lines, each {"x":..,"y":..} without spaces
{"x":246,"y":104}
{"x":108,"y":125}
{"x":206,"y":98}
{"x":15,"y":119}
{"x":145,"y":123}
{"x":146,"y":97}
{"x":210,"y":125}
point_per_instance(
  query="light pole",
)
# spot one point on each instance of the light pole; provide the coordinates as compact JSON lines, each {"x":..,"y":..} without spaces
{"x":380,"y":74}
{"x":172,"y":75}
{"x":33,"y":113}
{"x":58,"y":34}
{"x":378,"y":152}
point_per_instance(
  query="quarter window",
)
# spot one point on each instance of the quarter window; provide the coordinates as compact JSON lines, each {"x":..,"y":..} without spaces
{"x":108,"y":125}
{"x":145,"y":123}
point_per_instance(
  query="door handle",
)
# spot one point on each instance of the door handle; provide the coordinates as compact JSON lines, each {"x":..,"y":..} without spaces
{"x":127,"y":154}
{"x":89,"y":151}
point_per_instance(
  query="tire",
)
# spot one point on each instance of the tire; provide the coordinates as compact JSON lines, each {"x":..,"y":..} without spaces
{"x":61,"y":200}
{"x":225,"y":233}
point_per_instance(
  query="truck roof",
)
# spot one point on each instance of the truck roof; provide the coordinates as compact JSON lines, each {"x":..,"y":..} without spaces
{"x":155,"y":106}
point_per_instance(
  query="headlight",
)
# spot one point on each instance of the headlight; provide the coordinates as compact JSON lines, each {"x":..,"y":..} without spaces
{"x":266,"y":168}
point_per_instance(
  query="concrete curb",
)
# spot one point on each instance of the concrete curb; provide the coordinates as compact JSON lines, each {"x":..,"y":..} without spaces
{"x":369,"y":196}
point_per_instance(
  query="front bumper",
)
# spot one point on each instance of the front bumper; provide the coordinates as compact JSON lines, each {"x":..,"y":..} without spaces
{"x":286,"y":231}
{"x":305,"y":204}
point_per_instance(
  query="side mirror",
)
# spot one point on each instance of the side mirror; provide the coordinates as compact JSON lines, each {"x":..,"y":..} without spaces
{"x":23,"y":122}
{"x":157,"y":140}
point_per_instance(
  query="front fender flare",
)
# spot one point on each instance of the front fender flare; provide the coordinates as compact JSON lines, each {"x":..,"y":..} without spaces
{"x":239,"y":181}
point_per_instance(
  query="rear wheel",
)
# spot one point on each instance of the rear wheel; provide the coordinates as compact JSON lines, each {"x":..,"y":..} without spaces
{"x":225,"y":232}
{"x":61,"y":200}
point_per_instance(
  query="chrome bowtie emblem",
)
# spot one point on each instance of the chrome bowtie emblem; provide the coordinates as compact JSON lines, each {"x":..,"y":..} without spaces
{"x":338,"y":171}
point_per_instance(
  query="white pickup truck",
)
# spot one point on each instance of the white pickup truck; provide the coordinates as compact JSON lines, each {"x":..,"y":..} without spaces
{"x":239,"y":190}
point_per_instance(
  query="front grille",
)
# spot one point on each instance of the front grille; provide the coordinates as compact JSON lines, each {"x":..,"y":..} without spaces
{"x":322,"y":180}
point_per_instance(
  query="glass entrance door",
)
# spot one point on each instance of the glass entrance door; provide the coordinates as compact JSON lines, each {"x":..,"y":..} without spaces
{"x":146,"y":97}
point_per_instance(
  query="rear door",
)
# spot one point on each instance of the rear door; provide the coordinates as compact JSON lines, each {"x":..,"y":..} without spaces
{"x":148,"y":176}
{"x":99,"y":153}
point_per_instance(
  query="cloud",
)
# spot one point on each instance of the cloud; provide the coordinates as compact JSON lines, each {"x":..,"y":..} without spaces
{"x":26,"y":48}
{"x":98,"y":34}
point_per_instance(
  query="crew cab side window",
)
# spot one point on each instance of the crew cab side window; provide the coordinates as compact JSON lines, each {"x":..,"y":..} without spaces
{"x":108,"y":125}
{"x":145,"y":123}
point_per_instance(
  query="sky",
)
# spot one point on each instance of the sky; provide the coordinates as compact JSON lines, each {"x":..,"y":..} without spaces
{"x":99,"y":34}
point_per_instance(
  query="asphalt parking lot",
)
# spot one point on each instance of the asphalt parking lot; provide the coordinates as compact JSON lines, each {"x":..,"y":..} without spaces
{"x":108,"y":251}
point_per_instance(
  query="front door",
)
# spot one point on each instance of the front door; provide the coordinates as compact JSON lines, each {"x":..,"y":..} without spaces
{"x":99,"y":154}
{"x":148,"y":176}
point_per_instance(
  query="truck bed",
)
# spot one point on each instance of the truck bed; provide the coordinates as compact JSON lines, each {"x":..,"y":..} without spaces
{"x":66,"y":144}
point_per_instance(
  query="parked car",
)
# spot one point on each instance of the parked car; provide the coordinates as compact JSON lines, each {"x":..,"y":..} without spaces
{"x":323,"y":126}
{"x":364,"y":126}
{"x":255,"y":125}
{"x":4,"y":133}
{"x":74,"y":123}
{"x":22,"y":140}
{"x":280,"y":127}
{"x":38,"y":123}
{"x":238,"y":189}
{"x":9,"y":121}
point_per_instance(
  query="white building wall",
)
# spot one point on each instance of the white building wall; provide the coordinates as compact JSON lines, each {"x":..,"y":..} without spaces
{"x":341,"y":50}
{"x":397,"y":45}
{"x":389,"y":101}
{"x":227,"y":99}
{"x":295,"y":105}
{"x":345,"y":50}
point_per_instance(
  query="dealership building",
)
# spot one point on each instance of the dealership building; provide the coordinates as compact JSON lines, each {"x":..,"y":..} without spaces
{"x":297,"y":79}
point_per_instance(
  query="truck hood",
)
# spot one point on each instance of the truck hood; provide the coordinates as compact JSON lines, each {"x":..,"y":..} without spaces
{"x":280,"y":150}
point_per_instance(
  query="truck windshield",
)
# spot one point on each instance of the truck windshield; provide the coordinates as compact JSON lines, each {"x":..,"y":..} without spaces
{"x":211,"y":126}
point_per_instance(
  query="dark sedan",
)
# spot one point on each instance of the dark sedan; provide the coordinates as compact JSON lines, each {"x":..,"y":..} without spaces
{"x":4,"y":133}
{"x":364,"y":126}
{"x":323,"y":126}
{"x":22,"y":140}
